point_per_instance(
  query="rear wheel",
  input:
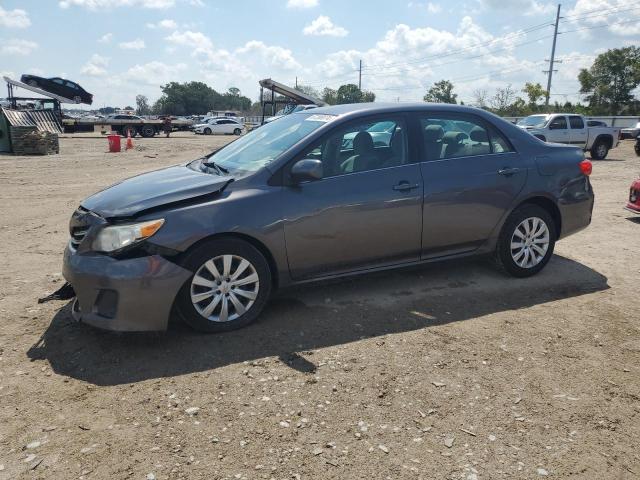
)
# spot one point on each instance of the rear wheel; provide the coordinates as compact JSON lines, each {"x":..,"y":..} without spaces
{"x":599,"y":150}
{"x":229,"y":288}
{"x":33,"y":83}
{"x":148,"y":131}
{"x":526,"y":241}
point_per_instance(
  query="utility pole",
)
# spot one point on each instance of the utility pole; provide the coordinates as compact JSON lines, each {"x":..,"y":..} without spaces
{"x":296,"y":83}
{"x":360,"y":76}
{"x":553,"y":55}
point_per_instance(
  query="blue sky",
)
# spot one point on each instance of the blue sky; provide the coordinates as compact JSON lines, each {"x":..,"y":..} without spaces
{"x":119,"y":48}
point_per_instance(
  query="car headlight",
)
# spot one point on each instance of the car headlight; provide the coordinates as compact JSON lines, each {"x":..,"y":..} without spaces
{"x":115,"y":237}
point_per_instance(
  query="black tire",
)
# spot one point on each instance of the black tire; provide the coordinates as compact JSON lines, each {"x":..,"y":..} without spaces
{"x":237,"y":131}
{"x":503,"y":253}
{"x":196,"y":259}
{"x":636,"y":147}
{"x":77,"y":99}
{"x":148,"y":131}
{"x":34,"y":83}
{"x":207,"y":131}
{"x":600,"y":149}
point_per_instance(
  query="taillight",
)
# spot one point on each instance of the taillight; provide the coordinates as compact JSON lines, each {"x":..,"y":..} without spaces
{"x":586,"y":167}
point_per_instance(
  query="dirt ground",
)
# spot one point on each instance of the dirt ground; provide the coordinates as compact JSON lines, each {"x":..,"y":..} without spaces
{"x":445,"y":371}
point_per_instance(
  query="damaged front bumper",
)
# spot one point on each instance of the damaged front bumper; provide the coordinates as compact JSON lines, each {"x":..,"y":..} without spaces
{"x":133,"y":294}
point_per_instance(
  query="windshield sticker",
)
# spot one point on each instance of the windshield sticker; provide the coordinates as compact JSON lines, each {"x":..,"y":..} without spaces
{"x":319,"y":118}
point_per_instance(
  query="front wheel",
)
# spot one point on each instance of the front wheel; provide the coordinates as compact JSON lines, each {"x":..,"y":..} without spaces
{"x":526,"y":241}
{"x":229,"y":288}
{"x":237,"y":131}
{"x":599,"y":150}
{"x":207,"y":131}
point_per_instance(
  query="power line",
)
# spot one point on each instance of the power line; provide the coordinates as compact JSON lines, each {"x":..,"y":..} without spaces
{"x":461,"y":50}
{"x":400,"y":73}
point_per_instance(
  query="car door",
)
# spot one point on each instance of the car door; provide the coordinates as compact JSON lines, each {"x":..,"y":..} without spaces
{"x":216,"y":127}
{"x":578,"y":132}
{"x":56,"y":85}
{"x":472,"y":175}
{"x":558,"y":131}
{"x":365,"y":212}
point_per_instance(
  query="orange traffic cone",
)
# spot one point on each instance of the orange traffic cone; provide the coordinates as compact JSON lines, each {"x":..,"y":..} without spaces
{"x":129,"y":141}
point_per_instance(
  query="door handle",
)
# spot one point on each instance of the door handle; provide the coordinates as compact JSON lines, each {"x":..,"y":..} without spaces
{"x":405,"y":186}
{"x":508,"y":171}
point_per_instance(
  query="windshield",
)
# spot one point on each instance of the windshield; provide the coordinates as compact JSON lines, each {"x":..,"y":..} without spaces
{"x":264,"y":144}
{"x":533,"y":121}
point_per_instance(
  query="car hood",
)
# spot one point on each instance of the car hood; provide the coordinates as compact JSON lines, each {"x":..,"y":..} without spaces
{"x":154,"y":189}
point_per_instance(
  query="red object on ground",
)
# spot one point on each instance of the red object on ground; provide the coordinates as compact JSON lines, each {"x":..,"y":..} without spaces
{"x":114,"y":142}
{"x":129,"y":141}
{"x":634,"y":197}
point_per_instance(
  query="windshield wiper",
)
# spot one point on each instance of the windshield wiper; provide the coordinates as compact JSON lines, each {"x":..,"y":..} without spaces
{"x":221,"y":170}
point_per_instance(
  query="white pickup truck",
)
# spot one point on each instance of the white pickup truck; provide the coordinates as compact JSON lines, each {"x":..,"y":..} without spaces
{"x":572,"y":129}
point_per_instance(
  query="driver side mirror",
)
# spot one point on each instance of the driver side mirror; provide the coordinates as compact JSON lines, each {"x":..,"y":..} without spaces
{"x":307,"y":169}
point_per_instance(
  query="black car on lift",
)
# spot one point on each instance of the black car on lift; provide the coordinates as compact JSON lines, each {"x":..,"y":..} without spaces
{"x":59,"y":86}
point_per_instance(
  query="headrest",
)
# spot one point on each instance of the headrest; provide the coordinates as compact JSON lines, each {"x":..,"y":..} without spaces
{"x":362,"y":142}
{"x":453,"y":138}
{"x":396,"y":141}
{"x":433,"y":133}
{"x":478,"y":134}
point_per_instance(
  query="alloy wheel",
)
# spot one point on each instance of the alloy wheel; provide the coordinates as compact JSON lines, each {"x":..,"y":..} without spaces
{"x":224,"y":288}
{"x":530,"y":242}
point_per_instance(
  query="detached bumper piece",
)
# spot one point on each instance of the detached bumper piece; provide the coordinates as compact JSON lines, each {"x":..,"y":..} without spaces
{"x":134,"y":294}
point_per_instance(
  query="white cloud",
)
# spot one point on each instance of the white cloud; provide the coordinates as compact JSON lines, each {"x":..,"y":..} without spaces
{"x":106,"y":4}
{"x":106,"y":38}
{"x":166,"y":23}
{"x":137,"y":44}
{"x":154,"y":73}
{"x":433,"y":7}
{"x":196,"y":40}
{"x":613,"y":16}
{"x":323,"y":26}
{"x":302,"y":3}
{"x":16,"y":46}
{"x":16,"y":18}
{"x":274,"y":56}
{"x":96,"y":66}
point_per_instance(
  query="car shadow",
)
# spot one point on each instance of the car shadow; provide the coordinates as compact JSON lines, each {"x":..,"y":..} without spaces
{"x":310,"y":317}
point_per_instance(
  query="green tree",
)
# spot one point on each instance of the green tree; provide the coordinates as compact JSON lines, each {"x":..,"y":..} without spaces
{"x":197,"y":98}
{"x":330,"y":96}
{"x":368,"y":96}
{"x":349,"y":93}
{"x":441,"y":92}
{"x":142,"y":104}
{"x":307,"y":90}
{"x":534,"y":93}
{"x":609,"y":82}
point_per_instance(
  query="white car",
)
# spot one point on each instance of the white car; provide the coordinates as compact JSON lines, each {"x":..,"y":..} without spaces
{"x":631,"y":132}
{"x":221,"y":126}
{"x":573,"y":130}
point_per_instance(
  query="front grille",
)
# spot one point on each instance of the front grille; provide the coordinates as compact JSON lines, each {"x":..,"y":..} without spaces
{"x":77,"y":235}
{"x":81,"y":222}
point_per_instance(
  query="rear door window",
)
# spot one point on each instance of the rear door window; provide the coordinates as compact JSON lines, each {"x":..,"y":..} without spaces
{"x":576,"y":122}
{"x":451,"y":138}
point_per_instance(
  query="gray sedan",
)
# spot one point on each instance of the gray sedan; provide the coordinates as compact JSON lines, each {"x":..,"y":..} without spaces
{"x":294,"y":202}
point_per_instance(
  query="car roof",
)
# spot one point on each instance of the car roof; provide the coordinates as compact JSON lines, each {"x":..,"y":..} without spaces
{"x":381,"y":107}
